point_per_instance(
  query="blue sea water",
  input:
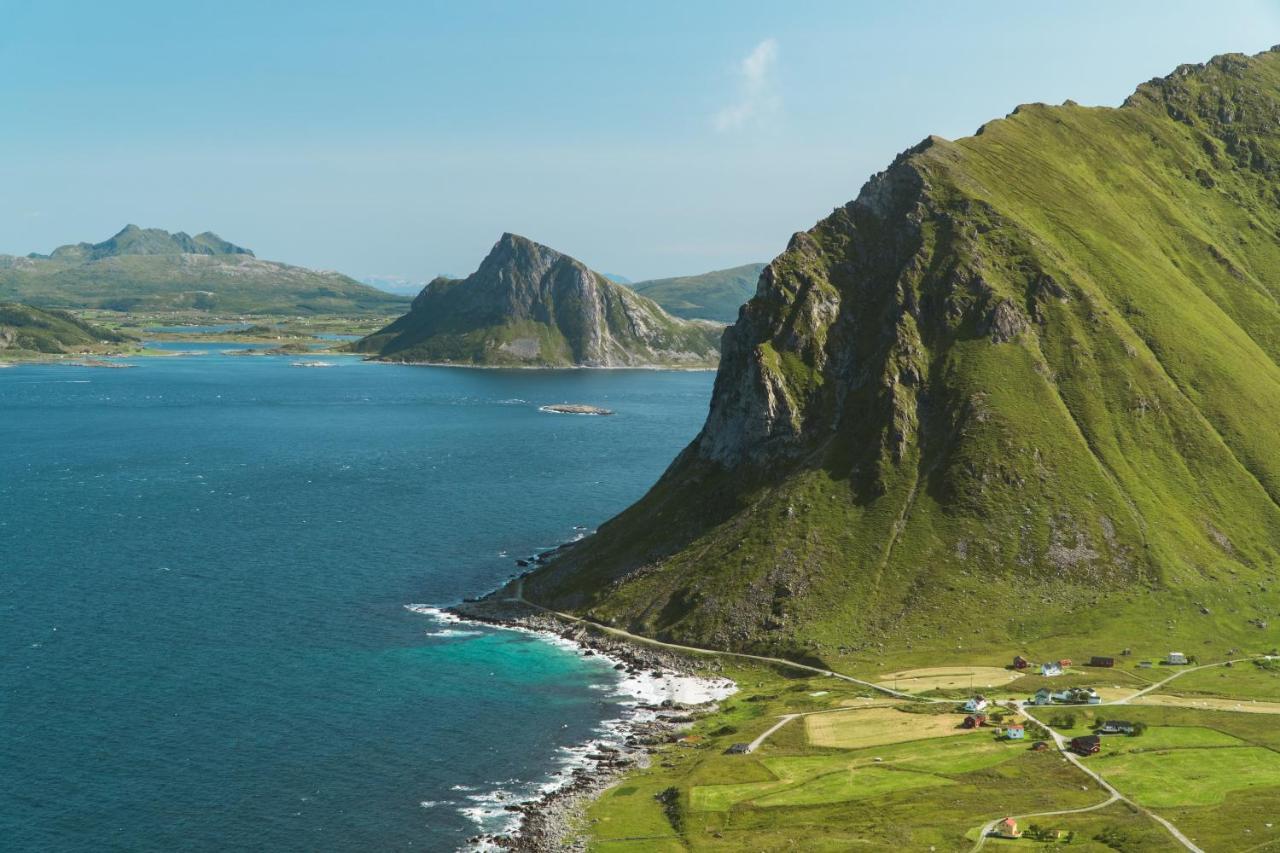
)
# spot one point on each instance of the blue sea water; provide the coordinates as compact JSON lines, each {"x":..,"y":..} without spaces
{"x":205,"y":564}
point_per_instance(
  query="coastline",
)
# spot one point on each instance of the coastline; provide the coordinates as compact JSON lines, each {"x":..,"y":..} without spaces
{"x":671,"y":367}
{"x":669,"y":692}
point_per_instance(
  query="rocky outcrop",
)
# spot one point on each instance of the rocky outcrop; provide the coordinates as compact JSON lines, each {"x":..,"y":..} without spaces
{"x":528,"y":304}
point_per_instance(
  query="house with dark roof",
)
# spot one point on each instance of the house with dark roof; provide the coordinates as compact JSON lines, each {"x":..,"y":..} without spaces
{"x":1086,"y":744}
{"x":1102,"y":661}
{"x":1115,"y":727}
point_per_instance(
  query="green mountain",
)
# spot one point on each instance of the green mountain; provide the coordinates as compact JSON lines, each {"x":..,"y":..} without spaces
{"x":147,"y":269}
{"x":711,"y":296}
{"x":531,"y":305}
{"x":1022,"y":392}
{"x":24,"y":329}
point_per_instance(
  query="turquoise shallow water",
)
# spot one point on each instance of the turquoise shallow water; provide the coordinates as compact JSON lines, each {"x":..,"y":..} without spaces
{"x":205,"y":564}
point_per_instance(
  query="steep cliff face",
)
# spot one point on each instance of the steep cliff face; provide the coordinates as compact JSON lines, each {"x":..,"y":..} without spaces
{"x":531,"y":305}
{"x":1019,"y":388}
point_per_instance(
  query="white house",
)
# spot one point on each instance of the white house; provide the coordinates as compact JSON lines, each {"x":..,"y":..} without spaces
{"x":1052,"y":669}
{"x":1176,"y":658}
{"x":977,"y":703}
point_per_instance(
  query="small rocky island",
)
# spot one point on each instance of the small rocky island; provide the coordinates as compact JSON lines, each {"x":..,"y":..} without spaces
{"x":575,"y":409}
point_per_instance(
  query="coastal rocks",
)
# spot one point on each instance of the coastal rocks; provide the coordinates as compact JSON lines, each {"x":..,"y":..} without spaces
{"x":673,"y":691}
{"x":574,"y":409}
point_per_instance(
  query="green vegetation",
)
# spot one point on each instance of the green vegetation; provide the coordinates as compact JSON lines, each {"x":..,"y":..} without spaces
{"x":711,"y":296}
{"x":1015,"y":397}
{"x":27,"y":332}
{"x":152,"y":270}
{"x":528,"y":305}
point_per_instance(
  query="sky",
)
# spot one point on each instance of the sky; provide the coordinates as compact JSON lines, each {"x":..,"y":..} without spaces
{"x":646,"y":139}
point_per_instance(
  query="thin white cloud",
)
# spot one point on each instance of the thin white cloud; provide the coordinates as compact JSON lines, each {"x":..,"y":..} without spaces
{"x":757,"y":97}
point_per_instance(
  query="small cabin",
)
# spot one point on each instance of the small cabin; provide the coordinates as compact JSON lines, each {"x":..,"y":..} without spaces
{"x":977,"y":703}
{"x":1019,"y":662}
{"x":1116,"y":727}
{"x":1101,"y":661}
{"x":1145,"y":664}
{"x":1015,"y":732}
{"x":1039,"y":746}
{"x":738,"y":749}
{"x":1050,"y":669}
{"x":1007,"y":828}
{"x":974,"y":721}
{"x":1086,"y":744}
{"x":1064,"y":663}
{"x":1176,"y":659}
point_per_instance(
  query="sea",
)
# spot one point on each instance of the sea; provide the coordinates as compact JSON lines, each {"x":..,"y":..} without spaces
{"x":220,"y":582}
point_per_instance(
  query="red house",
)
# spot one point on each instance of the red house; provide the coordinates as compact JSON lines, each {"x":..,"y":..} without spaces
{"x":974,"y":721}
{"x":1019,"y":662}
{"x":1086,"y":744}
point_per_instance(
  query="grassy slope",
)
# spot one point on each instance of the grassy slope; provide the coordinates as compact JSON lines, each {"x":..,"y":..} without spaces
{"x":1087,"y":485}
{"x":220,"y":283}
{"x":711,"y":296}
{"x":25,"y":329}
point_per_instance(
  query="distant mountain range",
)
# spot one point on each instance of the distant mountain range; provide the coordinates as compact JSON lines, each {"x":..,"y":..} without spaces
{"x":710,"y":296}
{"x":149,"y":269}
{"x":528,"y":304}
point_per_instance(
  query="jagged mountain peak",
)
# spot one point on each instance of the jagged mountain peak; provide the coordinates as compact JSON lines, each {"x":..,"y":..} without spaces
{"x":530,"y":304}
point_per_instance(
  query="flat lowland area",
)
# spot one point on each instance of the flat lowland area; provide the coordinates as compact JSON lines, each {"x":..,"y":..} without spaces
{"x":948,"y":678}
{"x":855,"y":729}
{"x":1191,"y":776}
{"x":866,"y":702}
{"x":1209,"y":703}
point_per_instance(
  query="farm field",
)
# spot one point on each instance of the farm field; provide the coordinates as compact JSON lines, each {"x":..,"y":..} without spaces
{"x":877,"y":726}
{"x":948,"y":678}
{"x":857,"y":770}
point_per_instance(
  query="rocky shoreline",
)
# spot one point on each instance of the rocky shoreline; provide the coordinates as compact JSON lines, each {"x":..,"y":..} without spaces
{"x":553,"y":821}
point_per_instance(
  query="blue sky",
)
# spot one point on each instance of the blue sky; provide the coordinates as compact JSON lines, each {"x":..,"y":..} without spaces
{"x":647,"y":139}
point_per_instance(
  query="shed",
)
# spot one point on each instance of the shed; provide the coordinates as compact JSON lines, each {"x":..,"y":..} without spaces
{"x":1101,"y":661}
{"x":1176,"y":659}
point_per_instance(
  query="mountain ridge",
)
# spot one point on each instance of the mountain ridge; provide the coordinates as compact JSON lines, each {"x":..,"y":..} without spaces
{"x":528,"y":304}
{"x":150,"y":269}
{"x":1012,"y":392}
{"x":716,"y":295}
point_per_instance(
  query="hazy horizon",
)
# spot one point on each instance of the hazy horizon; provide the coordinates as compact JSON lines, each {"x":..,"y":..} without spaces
{"x":647,"y":143}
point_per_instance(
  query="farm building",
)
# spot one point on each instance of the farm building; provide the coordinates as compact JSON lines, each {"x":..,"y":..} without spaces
{"x":1086,"y":744}
{"x":1101,"y":661}
{"x":1116,"y":727}
{"x":738,"y":749}
{"x":974,"y":721}
{"x":1019,"y":662}
{"x":1007,"y":828}
{"x":1176,"y":659}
